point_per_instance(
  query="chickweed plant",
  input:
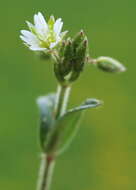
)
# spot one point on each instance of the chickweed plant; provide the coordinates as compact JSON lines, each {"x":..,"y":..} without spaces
{"x":69,"y":56}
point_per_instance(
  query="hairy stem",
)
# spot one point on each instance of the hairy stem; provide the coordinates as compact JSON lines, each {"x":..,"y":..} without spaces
{"x":45,"y":173}
{"x":48,"y":161}
{"x":62,"y":100}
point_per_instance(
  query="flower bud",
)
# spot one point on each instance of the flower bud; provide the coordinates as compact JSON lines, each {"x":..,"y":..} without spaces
{"x":78,"y":39}
{"x":62,"y":48}
{"x":109,"y":64}
{"x":80,"y":55}
{"x":64,"y":65}
{"x":67,"y":59}
{"x":72,"y":57}
{"x":68,"y":52}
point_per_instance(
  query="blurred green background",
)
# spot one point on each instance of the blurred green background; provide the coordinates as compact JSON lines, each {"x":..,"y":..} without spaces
{"x":103,"y":156}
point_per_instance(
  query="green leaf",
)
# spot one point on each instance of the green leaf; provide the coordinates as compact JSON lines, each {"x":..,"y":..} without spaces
{"x":67,"y":126}
{"x":89,"y":103}
{"x":46,"y":108}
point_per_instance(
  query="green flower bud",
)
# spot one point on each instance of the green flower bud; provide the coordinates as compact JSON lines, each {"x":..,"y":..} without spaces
{"x":57,"y":71}
{"x":78,"y":39}
{"x":80,"y":55}
{"x":79,"y":58}
{"x":68,"y":52}
{"x":66,"y":66}
{"x":109,"y":64}
{"x":64,"y":63}
{"x":62,"y":48}
{"x":72,"y":55}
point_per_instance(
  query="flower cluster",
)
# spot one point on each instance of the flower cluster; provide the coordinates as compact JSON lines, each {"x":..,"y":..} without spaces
{"x":70,"y":55}
{"x":72,"y":58}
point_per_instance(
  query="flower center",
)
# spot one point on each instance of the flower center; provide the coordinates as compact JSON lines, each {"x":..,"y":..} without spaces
{"x":51,"y":38}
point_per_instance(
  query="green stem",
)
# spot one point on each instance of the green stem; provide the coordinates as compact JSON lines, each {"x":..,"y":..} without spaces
{"x":45,"y":174}
{"x":47,"y":162}
{"x":62,"y":100}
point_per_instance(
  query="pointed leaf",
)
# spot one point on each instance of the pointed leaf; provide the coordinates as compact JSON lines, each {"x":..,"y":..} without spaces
{"x":67,"y":126}
{"x":46,"y":107}
{"x":89,"y":103}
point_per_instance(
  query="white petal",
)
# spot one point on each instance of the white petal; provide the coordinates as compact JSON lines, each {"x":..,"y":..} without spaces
{"x":25,"y":39}
{"x":37,"y":48}
{"x":32,"y":40}
{"x":36,"y":21}
{"x":58,"y":26}
{"x":29,"y":41}
{"x":52,"y":45}
{"x":40,"y":24}
{"x":41,"y":18}
{"x":29,"y":38}
{"x":30,"y":25}
{"x":28,"y":34}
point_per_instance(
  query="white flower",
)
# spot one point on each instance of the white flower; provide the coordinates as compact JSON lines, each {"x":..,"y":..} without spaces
{"x":42,"y":35}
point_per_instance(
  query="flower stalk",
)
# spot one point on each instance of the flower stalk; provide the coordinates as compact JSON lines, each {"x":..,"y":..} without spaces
{"x":63,"y":93}
{"x":46,"y":172}
{"x":48,"y":161}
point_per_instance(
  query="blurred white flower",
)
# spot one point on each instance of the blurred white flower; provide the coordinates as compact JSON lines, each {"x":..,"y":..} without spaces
{"x":43,"y":35}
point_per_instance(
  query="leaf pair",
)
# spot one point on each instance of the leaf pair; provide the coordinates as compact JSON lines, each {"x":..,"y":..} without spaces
{"x":57,"y":135}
